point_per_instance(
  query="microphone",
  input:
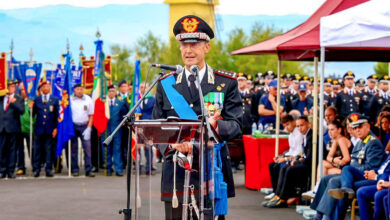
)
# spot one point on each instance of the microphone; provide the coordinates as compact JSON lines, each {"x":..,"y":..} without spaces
{"x":194,"y":69}
{"x":176,"y":68}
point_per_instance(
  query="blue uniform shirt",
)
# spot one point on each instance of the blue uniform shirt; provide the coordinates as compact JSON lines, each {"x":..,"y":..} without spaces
{"x":264,"y":101}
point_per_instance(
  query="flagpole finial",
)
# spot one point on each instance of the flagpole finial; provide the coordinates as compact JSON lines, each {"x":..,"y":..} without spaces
{"x":98,"y":34}
{"x":81,"y":50}
{"x":67,"y":45}
{"x":11,"y":47}
{"x":31,"y":55}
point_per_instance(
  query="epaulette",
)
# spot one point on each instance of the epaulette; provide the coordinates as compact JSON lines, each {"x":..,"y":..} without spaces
{"x":373,"y":138}
{"x":120,"y":98}
{"x":226,"y":74}
{"x":166,"y":75}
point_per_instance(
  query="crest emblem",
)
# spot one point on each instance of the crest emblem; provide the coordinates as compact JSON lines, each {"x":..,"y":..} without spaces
{"x":354,"y":117}
{"x":190,"y":25}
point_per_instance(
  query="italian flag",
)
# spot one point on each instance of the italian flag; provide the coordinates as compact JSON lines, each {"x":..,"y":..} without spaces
{"x":99,"y":92}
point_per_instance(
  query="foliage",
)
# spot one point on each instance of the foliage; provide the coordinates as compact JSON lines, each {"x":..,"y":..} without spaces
{"x":381,"y":69}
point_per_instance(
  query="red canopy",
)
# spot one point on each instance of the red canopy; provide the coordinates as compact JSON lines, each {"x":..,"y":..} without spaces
{"x":303,"y":42}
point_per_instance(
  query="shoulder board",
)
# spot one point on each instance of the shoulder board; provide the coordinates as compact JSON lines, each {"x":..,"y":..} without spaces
{"x":119,"y":98}
{"x":373,"y":138}
{"x":226,"y":74}
{"x":167,"y":75}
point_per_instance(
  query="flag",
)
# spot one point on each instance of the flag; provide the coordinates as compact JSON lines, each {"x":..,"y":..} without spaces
{"x":58,"y":81}
{"x":135,"y":96}
{"x":3,"y":75}
{"x":65,"y":122}
{"x":77,"y":74}
{"x":99,"y":92}
{"x":14,"y":70}
{"x":31,"y":75}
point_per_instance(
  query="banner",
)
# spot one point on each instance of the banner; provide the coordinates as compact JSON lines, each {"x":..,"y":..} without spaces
{"x":135,"y":95}
{"x":88,"y":68}
{"x":58,"y":82}
{"x":77,"y":74}
{"x":65,"y":123}
{"x":14,"y":70}
{"x":31,"y":75}
{"x":3,"y":75}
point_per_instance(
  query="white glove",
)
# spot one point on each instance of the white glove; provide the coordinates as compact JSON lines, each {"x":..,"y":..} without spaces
{"x":87,"y":134}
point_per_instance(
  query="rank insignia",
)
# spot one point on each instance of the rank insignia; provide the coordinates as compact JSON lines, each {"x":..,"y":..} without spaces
{"x":85,"y":108}
{"x":223,"y":85}
{"x":51,"y":108}
{"x":219,"y":88}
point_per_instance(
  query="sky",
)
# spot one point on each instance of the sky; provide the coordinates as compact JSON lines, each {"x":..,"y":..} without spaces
{"x":246,"y":7}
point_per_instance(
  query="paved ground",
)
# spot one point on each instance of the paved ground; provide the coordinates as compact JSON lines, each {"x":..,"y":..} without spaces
{"x":100,"y":198}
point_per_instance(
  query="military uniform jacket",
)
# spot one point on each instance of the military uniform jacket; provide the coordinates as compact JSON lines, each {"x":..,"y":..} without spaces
{"x":379,"y":101}
{"x":117,"y":111}
{"x":46,"y":115}
{"x":367,"y":104}
{"x":347,"y":104}
{"x":368,"y":153}
{"x":10,"y":119}
{"x":229,"y":127}
{"x":247,"y":119}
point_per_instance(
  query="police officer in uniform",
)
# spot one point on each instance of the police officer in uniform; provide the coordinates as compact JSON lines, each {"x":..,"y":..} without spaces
{"x":382,"y":97}
{"x":45,"y":108}
{"x":194,"y":35}
{"x":125,"y":96}
{"x":246,"y":100}
{"x":348,"y":101}
{"x":11,"y":108}
{"x":329,"y":96}
{"x":367,"y":98}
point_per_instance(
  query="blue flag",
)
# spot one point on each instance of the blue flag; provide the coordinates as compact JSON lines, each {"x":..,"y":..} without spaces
{"x":58,"y":82}
{"x":135,"y":96}
{"x":65,"y":123}
{"x":77,"y":74}
{"x":31,"y":75}
{"x":14,"y":70}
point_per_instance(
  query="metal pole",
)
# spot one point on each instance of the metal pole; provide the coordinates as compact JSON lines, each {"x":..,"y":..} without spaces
{"x":69,"y":159}
{"x":31,"y":135}
{"x":315,"y":123}
{"x":278,"y":111}
{"x":321,"y":121}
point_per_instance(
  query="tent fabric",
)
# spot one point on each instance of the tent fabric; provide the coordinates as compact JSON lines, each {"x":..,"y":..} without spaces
{"x":365,"y":25}
{"x":303,"y":37}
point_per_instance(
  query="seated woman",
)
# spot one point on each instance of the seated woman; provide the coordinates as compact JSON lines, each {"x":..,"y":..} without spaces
{"x":339,"y":153}
{"x":384,"y":130}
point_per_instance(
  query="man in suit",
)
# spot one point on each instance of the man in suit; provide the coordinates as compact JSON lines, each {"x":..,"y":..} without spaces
{"x":11,"y":108}
{"x":45,"y":109}
{"x":113,"y":150}
{"x":366,"y":155}
{"x":221,"y":95}
{"x":125,"y":96}
{"x":297,"y":173}
{"x":146,"y":113}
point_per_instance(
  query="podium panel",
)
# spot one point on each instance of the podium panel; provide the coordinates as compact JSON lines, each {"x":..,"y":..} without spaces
{"x":183,"y":186}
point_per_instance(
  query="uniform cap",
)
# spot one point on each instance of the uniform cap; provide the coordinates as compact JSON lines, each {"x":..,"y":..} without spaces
{"x":191,"y":29}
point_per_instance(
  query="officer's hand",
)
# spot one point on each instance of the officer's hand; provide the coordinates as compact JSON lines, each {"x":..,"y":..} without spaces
{"x":276,"y":159}
{"x":31,"y":104}
{"x":213,"y":119}
{"x":87,"y":134}
{"x":280,"y":160}
{"x":54,"y":134}
{"x":305,"y":112}
{"x":185,"y":147}
{"x":370,"y":175}
{"x":12,"y":100}
{"x":382,"y":185}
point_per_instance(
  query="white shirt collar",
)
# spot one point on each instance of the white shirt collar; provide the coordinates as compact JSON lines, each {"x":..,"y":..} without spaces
{"x":123,"y":95}
{"x":201,"y":74}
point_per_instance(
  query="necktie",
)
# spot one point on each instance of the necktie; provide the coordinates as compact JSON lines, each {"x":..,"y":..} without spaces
{"x":44,"y":99}
{"x":6,"y":105}
{"x":193,"y":90}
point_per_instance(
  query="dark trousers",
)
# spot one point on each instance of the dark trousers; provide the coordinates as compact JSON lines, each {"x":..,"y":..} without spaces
{"x":386,"y":206}
{"x":291,"y":178}
{"x":20,"y":150}
{"x":365,"y":196}
{"x":86,"y":144}
{"x":349,"y":175}
{"x":95,"y":150}
{"x":7,"y":152}
{"x":274,"y":169}
{"x":149,"y":158}
{"x":43,"y":146}
{"x":124,"y":144}
{"x":112,"y":151}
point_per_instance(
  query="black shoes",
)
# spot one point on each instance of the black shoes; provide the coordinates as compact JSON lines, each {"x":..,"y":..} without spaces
{"x":2,"y":175}
{"x":119,"y":174}
{"x":278,"y":204}
{"x":89,"y":174}
{"x":11,"y":175}
{"x":75,"y":174}
{"x":49,"y":174}
{"x":36,"y":174}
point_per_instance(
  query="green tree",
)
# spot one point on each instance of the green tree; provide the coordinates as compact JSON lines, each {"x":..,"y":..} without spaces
{"x":121,"y":63}
{"x":381,"y":69}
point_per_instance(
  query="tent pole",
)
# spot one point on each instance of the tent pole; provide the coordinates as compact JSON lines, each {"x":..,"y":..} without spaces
{"x":278,"y":111}
{"x":321,"y":121}
{"x":315,"y":124}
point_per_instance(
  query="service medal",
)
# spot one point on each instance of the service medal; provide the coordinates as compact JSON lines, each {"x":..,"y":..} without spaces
{"x":51,"y":108}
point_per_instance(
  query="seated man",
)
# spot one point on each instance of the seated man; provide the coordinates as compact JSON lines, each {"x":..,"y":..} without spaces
{"x":296,"y":174}
{"x":376,"y":193}
{"x":295,"y":141}
{"x":365,"y":156}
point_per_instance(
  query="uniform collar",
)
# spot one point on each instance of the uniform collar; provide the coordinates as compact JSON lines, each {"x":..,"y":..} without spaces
{"x":75,"y":97}
{"x":124,"y":95}
{"x":206,"y":69}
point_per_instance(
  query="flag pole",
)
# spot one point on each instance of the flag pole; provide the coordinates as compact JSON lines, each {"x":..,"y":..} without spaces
{"x":31,"y":115}
{"x":69,"y":160}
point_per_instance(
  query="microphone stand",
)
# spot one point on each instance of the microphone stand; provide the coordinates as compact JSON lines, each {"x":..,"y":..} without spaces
{"x":129,"y":119}
{"x":206,"y":210}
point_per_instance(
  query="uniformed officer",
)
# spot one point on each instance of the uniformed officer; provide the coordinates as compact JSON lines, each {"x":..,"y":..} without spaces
{"x":11,"y":108}
{"x":45,"y":108}
{"x":220,"y":92}
{"x":348,"y":100}
{"x":267,"y":106}
{"x":368,"y":97}
{"x":125,"y":96}
{"x":246,"y":100}
{"x":382,"y":97}
{"x":82,"y":116}
{"x":113,"y":150}
{"x":336,"y":87}
{"x":304,"y":103}
{"x":360,"y":84}
{"x":329,"y":96}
